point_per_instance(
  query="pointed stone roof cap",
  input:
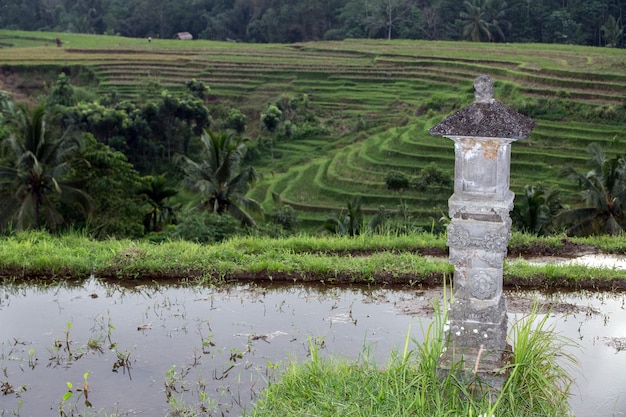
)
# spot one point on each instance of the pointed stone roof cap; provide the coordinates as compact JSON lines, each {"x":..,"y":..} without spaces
{"x":486,"y":117}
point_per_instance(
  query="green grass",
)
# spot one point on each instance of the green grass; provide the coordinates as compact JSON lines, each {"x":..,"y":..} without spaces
{"x":410,"y":384}
{"x":376,"y":98}
{"x":366,"y":259}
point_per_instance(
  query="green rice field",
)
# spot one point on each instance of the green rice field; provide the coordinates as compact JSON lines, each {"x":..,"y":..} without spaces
{"x":376,"y":100}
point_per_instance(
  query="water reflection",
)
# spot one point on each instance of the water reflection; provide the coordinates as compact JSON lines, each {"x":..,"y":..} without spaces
{"x":592,"y":261}
{"x":151,"y":348}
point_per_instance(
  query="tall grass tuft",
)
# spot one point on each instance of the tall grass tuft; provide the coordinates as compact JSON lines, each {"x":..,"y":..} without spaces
{"x":409,"y":384}
{"x":541,"y":371}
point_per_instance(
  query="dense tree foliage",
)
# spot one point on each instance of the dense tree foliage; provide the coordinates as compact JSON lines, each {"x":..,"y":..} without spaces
{"x":78,"y":164}
{"x":69,"y":163}
{"x":149,"y":134}
{"x":589,"y":22}
{"x":36,"y":157}
{"x":115,"y":188}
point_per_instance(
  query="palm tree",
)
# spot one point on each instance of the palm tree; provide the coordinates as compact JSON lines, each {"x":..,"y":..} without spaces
{"x":484,"y":20}
{"x":349,"y":222}
{"x":535,"y":210}
{"x":157,"y":193}
{"x":496,"y":12}
{"x":604,"y":196}
{"x":476,"y":27}
{"x":35,"y":160}
{"x":220,"y":178}
{"x":612,"y":31}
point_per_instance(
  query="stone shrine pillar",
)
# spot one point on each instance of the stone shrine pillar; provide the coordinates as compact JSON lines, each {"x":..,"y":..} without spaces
{"x":479,"y":231}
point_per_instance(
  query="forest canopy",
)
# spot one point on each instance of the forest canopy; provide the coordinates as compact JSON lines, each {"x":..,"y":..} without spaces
{"x":583,"y":22}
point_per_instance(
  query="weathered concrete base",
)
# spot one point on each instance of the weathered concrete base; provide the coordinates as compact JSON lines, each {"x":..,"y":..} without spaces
{"x":470,"y":326}
{"x":485,"y":383}
{"x":476,"y":347}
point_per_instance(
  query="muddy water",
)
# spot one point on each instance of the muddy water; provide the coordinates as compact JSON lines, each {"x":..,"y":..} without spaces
{"x":151,"y":349}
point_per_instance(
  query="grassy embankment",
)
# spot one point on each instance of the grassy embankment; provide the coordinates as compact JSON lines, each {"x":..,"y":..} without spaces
{"x":381,"y":260}
{"x":376,"y":100}
{"x":410,"y":385}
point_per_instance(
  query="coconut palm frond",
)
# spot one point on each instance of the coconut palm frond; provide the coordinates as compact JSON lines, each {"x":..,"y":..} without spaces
{"x":220,"y":178}
{"x":37,"y":158}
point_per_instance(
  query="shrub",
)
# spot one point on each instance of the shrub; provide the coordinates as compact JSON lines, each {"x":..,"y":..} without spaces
{"x":198,"y":89}
{"x":236,"y":120}
{"x":200,"y":227}
{"x":432,"y":175}
{"x":551,"y":109}
{"x":271,"y":118}
{"x":288,"y":130}
{"x":287,"y":217}
{"x":309,"y":130}
{"x":396,"y":180}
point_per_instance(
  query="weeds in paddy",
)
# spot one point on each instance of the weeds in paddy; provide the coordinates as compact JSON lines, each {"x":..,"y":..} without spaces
{"x":179,"y":408}
{"x":173,"y":382}
{"x":101,"y":324}
{"x":67,"y":336}
{"x":271,"y":371}
{"x":95,"y":343}
{"x":32,"y":359}
{"x":72,"y":409}
{"x":122,"y":362}
{"x":61,"y":353}
{"x":206,"y":341}
{"x":8,"y":388}
{"x":176,"y":387}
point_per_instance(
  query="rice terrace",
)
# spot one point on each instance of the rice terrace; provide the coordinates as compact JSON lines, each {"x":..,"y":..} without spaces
{"x":257,"y":323}
{"x":375,"y":99}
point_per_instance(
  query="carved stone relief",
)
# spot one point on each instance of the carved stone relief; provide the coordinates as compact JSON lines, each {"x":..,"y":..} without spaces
{"x":496,"y":239}
{"x":482,"y":285}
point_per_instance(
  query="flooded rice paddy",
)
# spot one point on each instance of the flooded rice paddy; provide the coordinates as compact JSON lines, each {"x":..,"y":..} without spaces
{"x":590,"y":260}
{"x":153,"y":349}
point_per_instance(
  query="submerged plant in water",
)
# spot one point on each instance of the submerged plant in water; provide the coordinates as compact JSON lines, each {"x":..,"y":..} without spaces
{"x":123,"y":362}
{"x":95,"y":343}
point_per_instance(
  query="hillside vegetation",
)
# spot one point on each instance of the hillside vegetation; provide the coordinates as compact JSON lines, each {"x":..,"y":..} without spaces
{"x":376,"y":101}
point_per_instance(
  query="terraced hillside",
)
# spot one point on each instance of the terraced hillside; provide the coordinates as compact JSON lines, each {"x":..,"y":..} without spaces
{"x":377,"y":99}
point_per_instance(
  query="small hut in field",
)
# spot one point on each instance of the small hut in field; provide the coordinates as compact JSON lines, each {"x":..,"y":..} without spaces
{"x":183,"y":36}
